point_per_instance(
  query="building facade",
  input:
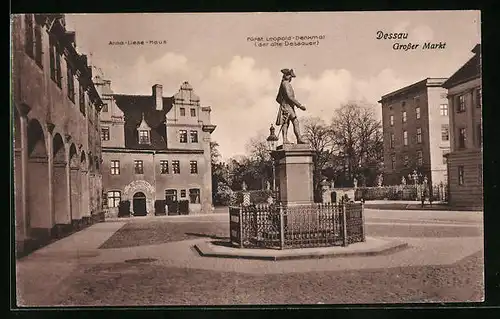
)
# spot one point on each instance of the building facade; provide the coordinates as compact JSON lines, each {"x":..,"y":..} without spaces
{"x":57,"y":148}
{"x":416,"y":132}
{"x":465,"y":162}
{"x":156,"y":150}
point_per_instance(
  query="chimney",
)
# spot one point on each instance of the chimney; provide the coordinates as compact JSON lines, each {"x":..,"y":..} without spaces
{"x":158,"y":96}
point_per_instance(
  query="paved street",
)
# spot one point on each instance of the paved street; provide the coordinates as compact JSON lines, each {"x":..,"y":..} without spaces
{"x":150,"y":261}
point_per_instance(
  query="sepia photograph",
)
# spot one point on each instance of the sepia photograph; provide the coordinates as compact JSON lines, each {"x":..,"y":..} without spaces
{"x":233,"y":159}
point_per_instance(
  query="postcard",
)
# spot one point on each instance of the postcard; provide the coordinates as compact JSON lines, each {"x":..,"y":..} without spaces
{"x":291,"y":158}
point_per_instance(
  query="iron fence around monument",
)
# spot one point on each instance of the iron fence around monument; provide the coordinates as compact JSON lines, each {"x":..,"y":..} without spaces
{"x":299,"y":226}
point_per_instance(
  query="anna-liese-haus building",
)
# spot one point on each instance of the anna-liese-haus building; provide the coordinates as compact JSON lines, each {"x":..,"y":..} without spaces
{"x":57,"y":149}
{"x":416,"y":132}
{"x":155,"y":148}
{"x":465,"y":162}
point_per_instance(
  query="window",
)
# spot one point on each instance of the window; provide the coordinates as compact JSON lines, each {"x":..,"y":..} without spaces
{"x":81,"y":98}
{"x":393,"y":161}
{"x":405,"y":138}
{"x":105,"y":133}
{"x":460,"y":175}
{"x":194,"y":136}
{"x":443,"y":109}
{"x":420,"y":158}
{"x":193,"y":165}
{"x":176,"y":167}
{"x":445,"y":132}
{"x":461,"y":103}
{"x":104,"y":107}
{"x":479,"y":98}
{"x":115,"y":167}
{"x":404,"y":116}
{"x":193,"y":112}
{"x":182,"y":111}
{"x":419,"y":135}
{"x":183,"y":193}
{"x":445,"y":152}
{"x":38,"y":45}
{"x":71,"y":83}
{"x":163,"y":167}
{"x":406,"y":159}
{"x":194,"y":196}
{"x":55,"y":62}
{"x":138,"y":167}
{"x":479,"y":135}
{"x":114,"y":198}
{"x":403,"y":104}
{"x":29,"y":43}
{"x":391,"y":120}
{"x":461,"y":138}
{"x":417,"y":112}
{"x":392,"y":140}
{"x":183,"y":136}
{"x":143,"y":137}
{"x":171,"y":195}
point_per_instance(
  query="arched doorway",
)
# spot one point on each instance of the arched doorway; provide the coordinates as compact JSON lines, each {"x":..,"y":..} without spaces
{"x":39,"y":216}
{"x":74,"y":161}
{"x":61,"y":196}
{"x":139,"y":204}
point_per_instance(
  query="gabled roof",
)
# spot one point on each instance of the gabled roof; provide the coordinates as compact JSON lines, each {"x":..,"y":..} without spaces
{"x":469,"y":71}
{"x":134,"y":107}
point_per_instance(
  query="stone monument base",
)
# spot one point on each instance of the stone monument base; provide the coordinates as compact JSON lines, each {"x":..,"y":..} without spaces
{"x":295,"y":173}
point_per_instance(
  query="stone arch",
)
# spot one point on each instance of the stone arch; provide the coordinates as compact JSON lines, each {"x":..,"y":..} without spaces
{"x":38,"y":208}
{"x":73,"y":156}
{"x":143,"y":187}
{"x":60,"y":181}
{"x":74,"y":181}
{"x":84,"y":186}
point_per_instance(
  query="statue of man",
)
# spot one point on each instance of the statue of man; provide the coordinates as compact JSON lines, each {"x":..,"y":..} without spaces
{"x":287,"y":102}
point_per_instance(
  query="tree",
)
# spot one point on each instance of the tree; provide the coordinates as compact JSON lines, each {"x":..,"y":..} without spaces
{"x":320,"y":137}
{"x":214,"y":152}
{"x":220,"y":175}
{"x":358,"y":143}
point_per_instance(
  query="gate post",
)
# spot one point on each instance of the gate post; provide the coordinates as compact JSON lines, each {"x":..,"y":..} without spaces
{"x":363,"y":221}
{"x":241,"y":226}
{"x":282,"y":228}
{"x":344,"y":225}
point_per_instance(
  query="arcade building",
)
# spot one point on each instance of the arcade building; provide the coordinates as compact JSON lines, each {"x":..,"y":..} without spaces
{"x":156,"y":151}
{"x":57,"y":149}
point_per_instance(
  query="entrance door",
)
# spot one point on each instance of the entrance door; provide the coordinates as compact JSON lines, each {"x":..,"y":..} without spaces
{"x":139,"y":204}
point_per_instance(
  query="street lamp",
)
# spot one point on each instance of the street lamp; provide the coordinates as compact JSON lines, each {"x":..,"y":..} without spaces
{"x":271,"y":146}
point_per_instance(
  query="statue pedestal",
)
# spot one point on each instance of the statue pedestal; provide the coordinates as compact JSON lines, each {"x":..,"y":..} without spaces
{"x":294,"y":164}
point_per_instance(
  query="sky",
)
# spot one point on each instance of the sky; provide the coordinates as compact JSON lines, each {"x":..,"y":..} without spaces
{"x":239,"y":80}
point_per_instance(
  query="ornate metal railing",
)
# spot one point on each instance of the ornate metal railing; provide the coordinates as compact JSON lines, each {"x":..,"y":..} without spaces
{"x":302,"y":226}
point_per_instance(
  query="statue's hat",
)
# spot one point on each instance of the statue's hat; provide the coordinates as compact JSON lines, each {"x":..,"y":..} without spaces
{"x":288,"y":72}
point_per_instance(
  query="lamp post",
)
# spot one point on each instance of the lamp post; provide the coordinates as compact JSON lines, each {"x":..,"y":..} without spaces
{"x":271,"y":146}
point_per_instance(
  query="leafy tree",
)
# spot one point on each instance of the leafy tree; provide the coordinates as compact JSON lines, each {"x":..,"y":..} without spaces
{"x":358,"y":144}
{"x":320,"y":137}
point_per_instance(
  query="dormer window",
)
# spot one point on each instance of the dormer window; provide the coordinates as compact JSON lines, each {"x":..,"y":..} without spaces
{"x":144,"y":132}
{"x":144,"y":137}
